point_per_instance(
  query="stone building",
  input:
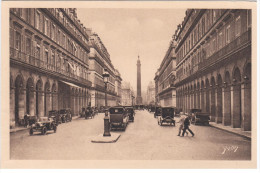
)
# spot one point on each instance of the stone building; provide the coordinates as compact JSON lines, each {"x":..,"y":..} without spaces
{"x":48,"y":62}
{"x":214,"y":64}
{"x":150,"y":93}
{"x":99,"y":59}
{"x":165,"y":91}
{"x":127,"y":93}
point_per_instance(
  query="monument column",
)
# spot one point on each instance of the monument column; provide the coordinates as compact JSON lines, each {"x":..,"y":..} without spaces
{"x":139,"y":94}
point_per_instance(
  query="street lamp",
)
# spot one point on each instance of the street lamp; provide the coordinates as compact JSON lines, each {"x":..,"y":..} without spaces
{"x":106,"y":119}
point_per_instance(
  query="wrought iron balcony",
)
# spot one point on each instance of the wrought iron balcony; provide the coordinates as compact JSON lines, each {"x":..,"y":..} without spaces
{"x":30,"y":60}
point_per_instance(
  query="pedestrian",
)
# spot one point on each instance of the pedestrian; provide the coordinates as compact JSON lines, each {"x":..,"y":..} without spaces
{"x":186,"y":126}
{"x":181,"y":121}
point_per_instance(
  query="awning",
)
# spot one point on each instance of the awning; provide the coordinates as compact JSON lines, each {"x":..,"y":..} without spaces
{"x":70,"y":84}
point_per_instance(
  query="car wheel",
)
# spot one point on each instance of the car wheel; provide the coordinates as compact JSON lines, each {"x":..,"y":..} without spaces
{"x":31,"y":131}
{"x":55,"y":129}
{"x":44,"y":130}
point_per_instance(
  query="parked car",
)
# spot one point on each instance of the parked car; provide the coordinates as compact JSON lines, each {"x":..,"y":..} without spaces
{"x":54,"y":114}
{"x":200,"y":118}
{"x":29,"y":119}
{"x":118,"y":118}
{"x":157,"y":111}
{"x":65,"y":115}
{"x":177,"y":112}
{"x":166,"y":116}
{"x":152,"y":109}
{"x":43,"y":125}
{"x":131,"y":112}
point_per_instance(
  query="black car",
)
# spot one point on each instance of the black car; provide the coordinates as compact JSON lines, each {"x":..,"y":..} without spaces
{"x":89,"y":113}
{"x":131,"y":113}
{"x":65,"y":115}
{"x":43,"y":125}
{"x":54,"y":114}
{"x":166,"y":116}
{"x":118,"y":118}
{"x":200,"y":118}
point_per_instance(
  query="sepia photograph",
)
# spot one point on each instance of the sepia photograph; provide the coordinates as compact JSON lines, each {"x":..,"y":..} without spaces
{"x":155,"y":84}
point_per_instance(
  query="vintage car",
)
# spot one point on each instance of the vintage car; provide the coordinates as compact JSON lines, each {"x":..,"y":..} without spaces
{"x":193,"y":111}
{"x":200,"y":118}
{"x":43,"y":125}
{"x":65,"y":115}
{"x":131,"y":113}
{"x":54,"y":114}
{"x":29,"y":119}
{"x":166,"y":116}
{"x":157,"y":111}
{"x":89,"y":113}
{"x":118,"y":118}
{"x":178,"y":112}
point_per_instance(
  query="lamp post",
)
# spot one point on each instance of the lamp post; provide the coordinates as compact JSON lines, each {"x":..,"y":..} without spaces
{"x":106,"y":118}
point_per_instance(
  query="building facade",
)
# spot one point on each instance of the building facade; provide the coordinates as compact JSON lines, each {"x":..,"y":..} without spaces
{"x":127,"y":93}
{"x":214,"y":65}
{"x":165,"y":91}
{"x":150,"y":93}
{"x":48,"y":62}
{"x":99,"y":59}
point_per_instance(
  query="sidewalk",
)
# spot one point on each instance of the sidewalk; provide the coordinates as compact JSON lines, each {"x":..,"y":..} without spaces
{"x":236,"y":131}
{"x":18,"y":129}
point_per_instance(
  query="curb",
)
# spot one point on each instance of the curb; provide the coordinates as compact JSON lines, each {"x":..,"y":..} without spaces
{"x":235,"y":133}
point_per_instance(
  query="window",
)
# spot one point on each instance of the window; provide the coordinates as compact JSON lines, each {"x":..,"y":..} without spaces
{"x":38,"y":52}
{"x":58,"y":61}
{"x":214,"y":16}
{"x":46,"y":26}
{"x":28,"y":15}
{"x":53,"y":57}
{"x":58,"y":36}
{"x":220,"y":40}
{"x":28,"y":46}
{"x":17,"y":41}
{"x":238,"y":26}
{"x":46,"y":56}
{"x":37,"y":20}
{"x":228,"y":34}
{"x":63,"y":40}
{"x":203,"y":26}
{"x":53,"y":32}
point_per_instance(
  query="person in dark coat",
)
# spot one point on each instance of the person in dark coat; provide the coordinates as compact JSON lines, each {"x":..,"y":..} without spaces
{"x":186,"y":126}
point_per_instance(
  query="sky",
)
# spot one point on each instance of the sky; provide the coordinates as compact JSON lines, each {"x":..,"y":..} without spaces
{"x":127,"y":33}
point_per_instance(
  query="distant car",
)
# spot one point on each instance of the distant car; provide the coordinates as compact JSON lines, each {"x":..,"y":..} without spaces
{"x":152,"y":109}
{"x":65,"y":115}
{"x":89,"y":113}
{"x":118,"y":118}
{"x":83,"y":111}
{"x":167,"y":116}
{"x":200,"y":118}
{"x":43,"y":125}
{"x":54,"y":114}
{"x":131,"y":113}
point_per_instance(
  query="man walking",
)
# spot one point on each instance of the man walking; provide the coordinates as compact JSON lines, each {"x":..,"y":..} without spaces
{"x":186,"y":126}
{"x":181,"y":121}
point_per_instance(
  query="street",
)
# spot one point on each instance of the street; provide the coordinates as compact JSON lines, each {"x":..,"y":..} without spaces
{"x":143,"y":139}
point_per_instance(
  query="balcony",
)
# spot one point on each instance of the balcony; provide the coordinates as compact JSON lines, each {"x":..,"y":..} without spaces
{"x":231,"y":47}
{"x":41,"y":65}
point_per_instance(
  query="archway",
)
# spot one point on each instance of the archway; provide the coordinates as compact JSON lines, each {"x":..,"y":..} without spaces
{"x":47,"y":97}
{"x":198,"y":95}
{"x":30,"y":97}
{"x":202,"y":96}
{"x":236,"y":99}
{"x":19,"y":100}
{"x":246,"y":98}
{"x":213,"y":100}
{"x":226,"y":100}
{"x":207,"y":96}
{"x":219,"y":100}
{"x":54,"y":97}
{"x":38,"y":100}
